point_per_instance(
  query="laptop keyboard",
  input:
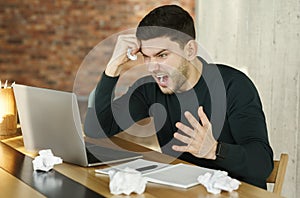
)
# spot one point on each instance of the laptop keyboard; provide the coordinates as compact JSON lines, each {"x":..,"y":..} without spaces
{"x":91,"y":158}
{"x":96,"y":154}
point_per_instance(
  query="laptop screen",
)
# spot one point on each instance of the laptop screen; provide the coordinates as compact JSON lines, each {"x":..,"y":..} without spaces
{"x":50,"y":119}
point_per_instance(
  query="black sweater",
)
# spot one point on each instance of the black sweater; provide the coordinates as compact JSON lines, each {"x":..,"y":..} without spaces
{"x":229,"y":99}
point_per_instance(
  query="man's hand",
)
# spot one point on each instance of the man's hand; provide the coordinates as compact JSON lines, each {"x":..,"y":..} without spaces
{"x":119,"y":56}
{"x":199,"y":139}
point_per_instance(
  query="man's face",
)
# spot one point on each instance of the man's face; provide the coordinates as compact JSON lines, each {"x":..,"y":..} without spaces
{"x":166,"y":63}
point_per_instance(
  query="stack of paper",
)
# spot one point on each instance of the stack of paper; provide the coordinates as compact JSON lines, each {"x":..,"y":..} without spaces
{"x":144,"y":166}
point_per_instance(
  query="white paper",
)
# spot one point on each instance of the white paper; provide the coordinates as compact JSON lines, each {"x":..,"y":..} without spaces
{"x":126,"y":181}
{"x":45,"y":161}
{"x":135,"y":164}
{"x":217,"y":181}
{"x":179,"y":175}
{"x":130,"y":56}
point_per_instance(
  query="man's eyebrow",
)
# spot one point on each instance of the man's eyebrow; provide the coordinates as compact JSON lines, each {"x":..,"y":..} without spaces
{"x":163,"y":50}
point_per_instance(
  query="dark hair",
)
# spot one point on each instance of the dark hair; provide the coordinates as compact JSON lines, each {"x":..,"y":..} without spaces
{"x":169,"y":20}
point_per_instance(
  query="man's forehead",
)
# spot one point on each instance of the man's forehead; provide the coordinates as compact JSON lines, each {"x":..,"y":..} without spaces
{"x":159,"y":44}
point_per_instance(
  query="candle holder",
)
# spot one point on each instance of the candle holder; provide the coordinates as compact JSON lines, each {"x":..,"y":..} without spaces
{"x":8,"y":112}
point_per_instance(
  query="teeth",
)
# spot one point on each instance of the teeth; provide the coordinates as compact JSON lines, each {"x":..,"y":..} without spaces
{"x":160,"y":77}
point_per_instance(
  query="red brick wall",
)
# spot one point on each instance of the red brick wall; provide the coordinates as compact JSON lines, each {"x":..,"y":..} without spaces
{"x":44,"y":42}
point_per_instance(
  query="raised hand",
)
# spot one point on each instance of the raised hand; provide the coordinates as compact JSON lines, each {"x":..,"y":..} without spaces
{"x":119,"y":56}
{"x":199,"y":139}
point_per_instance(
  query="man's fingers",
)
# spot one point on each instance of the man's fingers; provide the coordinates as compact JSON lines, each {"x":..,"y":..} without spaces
{"x":180,"y":148}
{"x":203,"y":117}
{"x":183,"y":138}
{"x":133,"y":42}
{"x":185,"y":129}
{"x":187,"y":148}
{"x":192,"y":120}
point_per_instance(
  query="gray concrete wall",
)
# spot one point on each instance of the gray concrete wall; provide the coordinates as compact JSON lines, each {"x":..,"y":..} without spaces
{"x":262,"y":38}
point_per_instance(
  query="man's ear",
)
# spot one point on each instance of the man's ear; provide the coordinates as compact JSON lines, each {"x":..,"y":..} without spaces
{"x":190,"y":50}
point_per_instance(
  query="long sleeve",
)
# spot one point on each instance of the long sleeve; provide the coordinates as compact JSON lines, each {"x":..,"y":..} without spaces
{"x":103,"y":97}
{"x":250,"y":157}
{"x":244,"y":139}
{"x":117,"y":115}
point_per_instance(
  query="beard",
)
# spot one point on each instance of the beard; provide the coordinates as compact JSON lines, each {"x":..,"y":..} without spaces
{"x":178,"y":78}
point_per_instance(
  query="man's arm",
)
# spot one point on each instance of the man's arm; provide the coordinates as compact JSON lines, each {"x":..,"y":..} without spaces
{"x":119,"y":56}
{"x":117,"y":115}
{"x":103,"y":98}
{"x":104,"y":90}
{"x":250,"y":157}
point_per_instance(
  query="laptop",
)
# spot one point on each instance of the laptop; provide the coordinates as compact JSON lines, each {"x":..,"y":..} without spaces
{"x":50,"y":119}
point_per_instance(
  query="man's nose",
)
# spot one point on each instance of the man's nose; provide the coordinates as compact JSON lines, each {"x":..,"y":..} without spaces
{"x":153,"y":66}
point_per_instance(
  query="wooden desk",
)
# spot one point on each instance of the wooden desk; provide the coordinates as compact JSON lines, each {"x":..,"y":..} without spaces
{"x":86,"y":177}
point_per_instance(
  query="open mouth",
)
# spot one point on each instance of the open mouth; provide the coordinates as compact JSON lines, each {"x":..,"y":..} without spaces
{"x":162,"y":79}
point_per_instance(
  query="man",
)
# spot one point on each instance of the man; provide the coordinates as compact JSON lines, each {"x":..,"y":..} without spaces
{"x":209,"y":115}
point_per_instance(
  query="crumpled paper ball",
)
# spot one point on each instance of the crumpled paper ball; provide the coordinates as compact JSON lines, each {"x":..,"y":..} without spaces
{"x":45,"y":161}
{"x":126,"y":181}
{"x":218,"y":181}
